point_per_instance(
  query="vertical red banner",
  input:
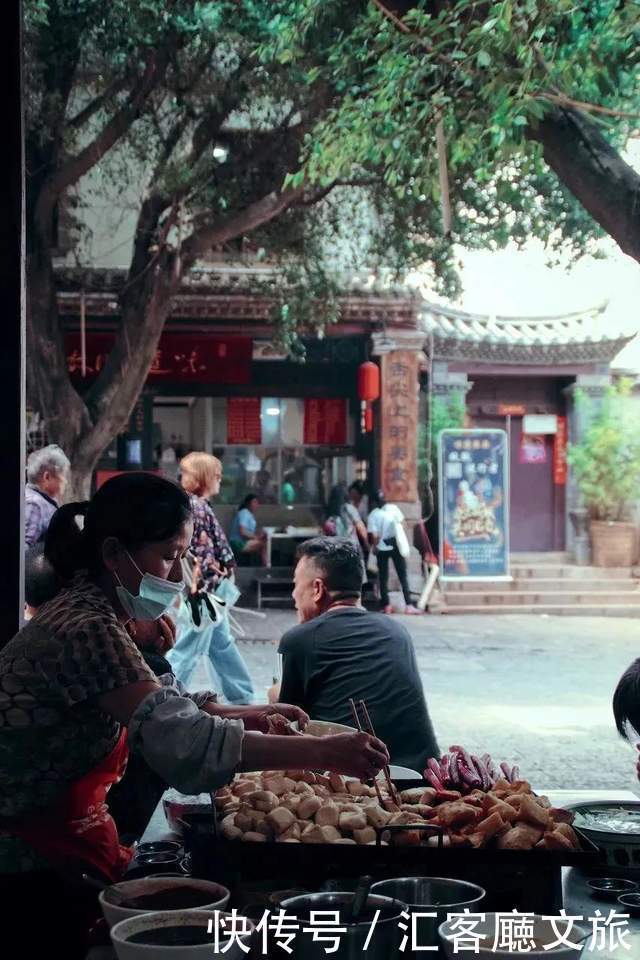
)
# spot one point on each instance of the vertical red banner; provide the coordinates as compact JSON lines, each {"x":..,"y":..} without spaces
{"x":560,"y":453}
{"x":243,"y":420}
{"x":325,"y":420}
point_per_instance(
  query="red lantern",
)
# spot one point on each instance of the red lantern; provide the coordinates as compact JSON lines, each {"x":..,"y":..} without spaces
{"x":368,"y":382}
{"x":368,"y":392}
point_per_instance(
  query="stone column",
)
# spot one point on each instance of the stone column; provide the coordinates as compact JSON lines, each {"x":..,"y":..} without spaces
{"x":594,"y":386}
{"x":401,"y":358}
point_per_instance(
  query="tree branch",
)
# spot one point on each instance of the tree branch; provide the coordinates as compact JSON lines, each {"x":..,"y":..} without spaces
{"x":97,"y":104}
{"x":252,"y":217}
{"x":70,"y":172}
{"x":594,"y":172}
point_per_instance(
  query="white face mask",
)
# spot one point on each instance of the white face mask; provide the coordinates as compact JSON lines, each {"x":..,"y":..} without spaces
{"x":154,"y":597}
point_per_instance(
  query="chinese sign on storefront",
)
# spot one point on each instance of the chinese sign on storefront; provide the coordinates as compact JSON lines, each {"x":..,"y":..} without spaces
{"x":325,"y":421}
{"x":399,"y":426}
{"x":243,"y":420}
{"x":473,"y":487}
{"x":180,"y":358}
{"x":560,"y":453}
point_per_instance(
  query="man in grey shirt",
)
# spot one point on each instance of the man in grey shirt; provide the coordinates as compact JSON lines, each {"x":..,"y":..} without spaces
{"x":340,"y":650}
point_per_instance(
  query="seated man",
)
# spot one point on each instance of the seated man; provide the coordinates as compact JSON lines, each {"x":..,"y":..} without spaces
{"x":340,"y":650}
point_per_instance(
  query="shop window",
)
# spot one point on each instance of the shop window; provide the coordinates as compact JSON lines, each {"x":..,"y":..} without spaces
{"x":280,"y":470}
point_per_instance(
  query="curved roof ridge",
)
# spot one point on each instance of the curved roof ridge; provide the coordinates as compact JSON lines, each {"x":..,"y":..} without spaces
{"x":495,"y":318}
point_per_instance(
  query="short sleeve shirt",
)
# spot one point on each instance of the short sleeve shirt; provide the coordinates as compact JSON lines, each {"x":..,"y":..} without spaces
{"x":382,"y":522}
{"x":247,"y":520}
{"x":351,"y":652}
{"x":209,"y":542}
{"x":52,"y":731}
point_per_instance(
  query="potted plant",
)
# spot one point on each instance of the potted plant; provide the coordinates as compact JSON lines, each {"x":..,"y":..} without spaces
{"x":606,"y":465}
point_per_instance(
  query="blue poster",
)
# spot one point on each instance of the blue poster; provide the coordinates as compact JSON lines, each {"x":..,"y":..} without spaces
{"x":473,"y":487}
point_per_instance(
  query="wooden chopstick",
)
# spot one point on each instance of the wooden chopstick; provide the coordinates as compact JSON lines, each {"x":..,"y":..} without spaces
{"x":387,"y":774}
{"x":356,"y":720}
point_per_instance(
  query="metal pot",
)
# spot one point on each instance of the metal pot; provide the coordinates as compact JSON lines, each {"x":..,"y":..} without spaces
{"x":385,"y":939}
{"x":436,"y":895}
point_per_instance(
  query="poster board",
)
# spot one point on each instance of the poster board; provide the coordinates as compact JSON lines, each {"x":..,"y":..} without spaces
{"x":473,"y":496}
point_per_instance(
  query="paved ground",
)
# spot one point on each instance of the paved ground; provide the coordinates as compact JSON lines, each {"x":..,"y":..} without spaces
{"x":534,"y":690}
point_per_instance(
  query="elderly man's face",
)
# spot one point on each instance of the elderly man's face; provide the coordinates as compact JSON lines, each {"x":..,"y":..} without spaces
{"x":309,"y":590}
{"x":54,"y":483}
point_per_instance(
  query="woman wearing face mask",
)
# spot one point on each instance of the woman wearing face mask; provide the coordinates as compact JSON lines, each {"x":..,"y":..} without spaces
{"x":200,"y":476}
{"x":76,"y":696}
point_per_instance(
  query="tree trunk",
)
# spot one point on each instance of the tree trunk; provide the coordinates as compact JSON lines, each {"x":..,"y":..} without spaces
{"x":49,"y":388}
{"x":594,"y":172}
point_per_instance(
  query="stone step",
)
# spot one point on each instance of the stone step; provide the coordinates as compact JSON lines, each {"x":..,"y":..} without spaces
{"x":540,"y":558}
{"x":542,"y":585}
{"x":548,"y":609}
{"x":529,"y":598}
{"x":569,"y":571}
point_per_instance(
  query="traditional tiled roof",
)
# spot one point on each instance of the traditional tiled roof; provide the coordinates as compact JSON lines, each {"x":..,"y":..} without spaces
{"x":237,"y":292}
{"x":570,"y":338}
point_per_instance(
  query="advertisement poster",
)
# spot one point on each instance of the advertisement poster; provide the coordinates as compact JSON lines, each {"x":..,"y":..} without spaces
{"x":533,"y":448}
{"x":473,"y":487}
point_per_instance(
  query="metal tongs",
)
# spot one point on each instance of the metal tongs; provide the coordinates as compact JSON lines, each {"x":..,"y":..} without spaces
{"x":361,"y":705}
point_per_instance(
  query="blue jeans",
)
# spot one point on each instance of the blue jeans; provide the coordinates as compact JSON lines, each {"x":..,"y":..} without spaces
{"x":216,"y":641}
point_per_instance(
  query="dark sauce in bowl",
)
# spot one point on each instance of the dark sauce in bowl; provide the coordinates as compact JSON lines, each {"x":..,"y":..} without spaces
{"x":185,"y":936}
{"x":172,"y":898}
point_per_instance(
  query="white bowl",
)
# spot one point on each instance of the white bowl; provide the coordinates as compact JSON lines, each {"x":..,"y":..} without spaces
{"x":125,"y":950}
{"x":217,"y":896}
{"x":543,"y":932}
{"x":324,"y":728}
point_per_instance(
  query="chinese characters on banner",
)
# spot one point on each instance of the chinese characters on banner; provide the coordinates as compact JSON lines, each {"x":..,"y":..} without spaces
{"x":325,"y":421}
{"x":191,"y":358}
{"x":399,"y":426}
{"x":560,"y":453}
{"x":243,"y":420}
{"x":473,"y":488}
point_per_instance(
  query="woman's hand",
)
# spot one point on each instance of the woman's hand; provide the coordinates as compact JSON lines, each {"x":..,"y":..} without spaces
{"x":257,"y":718}
{"x":356,"y":754}
{"x":157,"y":635}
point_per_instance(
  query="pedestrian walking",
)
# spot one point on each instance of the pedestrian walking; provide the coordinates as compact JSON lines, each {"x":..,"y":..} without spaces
{"x":47,"y":477}
{"x":387,"y":537}
{"x":343,"y":520}
{"x":200,"y":476}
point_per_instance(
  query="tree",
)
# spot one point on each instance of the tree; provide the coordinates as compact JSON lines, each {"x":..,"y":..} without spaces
{"x":519,"y":87}
{"x":151,"y":85}
{"x":245,"y":119}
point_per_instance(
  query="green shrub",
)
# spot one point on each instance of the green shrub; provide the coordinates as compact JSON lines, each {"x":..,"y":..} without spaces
{"x":606,"y":462}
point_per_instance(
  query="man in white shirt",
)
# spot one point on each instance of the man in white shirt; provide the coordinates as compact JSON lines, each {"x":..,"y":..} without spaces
{"x":381,"y":526}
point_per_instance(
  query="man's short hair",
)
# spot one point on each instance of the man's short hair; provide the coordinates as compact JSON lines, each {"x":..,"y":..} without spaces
{"x":51,"y":458}
{"x":41,"y":583}
{"x":626,"y":700}
{"x":340,"y":562}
